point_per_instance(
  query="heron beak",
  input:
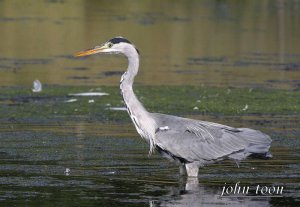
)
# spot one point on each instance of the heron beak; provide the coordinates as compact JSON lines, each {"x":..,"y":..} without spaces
{"x":90,"y":51}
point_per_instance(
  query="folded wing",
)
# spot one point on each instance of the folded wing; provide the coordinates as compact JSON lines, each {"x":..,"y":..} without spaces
{"x":195,"y":140}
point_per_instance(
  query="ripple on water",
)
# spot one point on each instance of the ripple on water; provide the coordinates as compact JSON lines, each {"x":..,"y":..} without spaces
{"x":113,"y":166}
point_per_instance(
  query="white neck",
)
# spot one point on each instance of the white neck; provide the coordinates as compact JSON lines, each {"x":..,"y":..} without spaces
{"x":141,"y":118}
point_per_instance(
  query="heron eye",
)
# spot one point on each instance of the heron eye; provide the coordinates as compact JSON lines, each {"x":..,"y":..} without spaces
{"x":110,"y":44}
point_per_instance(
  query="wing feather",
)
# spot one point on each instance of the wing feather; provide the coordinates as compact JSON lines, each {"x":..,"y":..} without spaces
{"x":201,"y":140}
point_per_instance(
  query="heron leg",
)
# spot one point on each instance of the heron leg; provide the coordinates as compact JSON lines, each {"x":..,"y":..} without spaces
{"x":192,"y":169}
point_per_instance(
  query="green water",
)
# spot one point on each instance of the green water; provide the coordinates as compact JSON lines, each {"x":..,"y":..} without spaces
{"x":230,"y":62}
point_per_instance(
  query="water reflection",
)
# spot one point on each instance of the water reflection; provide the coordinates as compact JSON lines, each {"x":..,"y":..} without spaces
{"x":108,"y":165}
{"x":253,"y":43}
{"x":193,"y":193}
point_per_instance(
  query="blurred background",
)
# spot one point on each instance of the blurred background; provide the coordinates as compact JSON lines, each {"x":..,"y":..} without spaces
{"x":215,"y":43}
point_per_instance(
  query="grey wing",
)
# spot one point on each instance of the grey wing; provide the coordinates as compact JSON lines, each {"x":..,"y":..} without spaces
{"x":196,"y":140}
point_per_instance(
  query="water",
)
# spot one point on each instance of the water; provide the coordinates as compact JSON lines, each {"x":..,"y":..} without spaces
{"x":108,"y":165}
{"x":214,"y":43}
{"x":58,"y":153}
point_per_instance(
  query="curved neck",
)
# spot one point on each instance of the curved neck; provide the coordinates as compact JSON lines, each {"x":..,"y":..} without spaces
{"x":132,"y":70}
{"x":141,"y":118}
{"x":133,"y":105}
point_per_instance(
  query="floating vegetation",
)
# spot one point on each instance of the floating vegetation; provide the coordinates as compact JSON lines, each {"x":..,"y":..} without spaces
{"x":18,"y":103}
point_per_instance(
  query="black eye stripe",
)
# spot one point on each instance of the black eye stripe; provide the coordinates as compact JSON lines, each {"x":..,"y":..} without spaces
{"x":117,"y":40}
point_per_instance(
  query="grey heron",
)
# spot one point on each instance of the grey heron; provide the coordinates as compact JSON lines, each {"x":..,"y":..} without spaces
{"x":191,"y":143}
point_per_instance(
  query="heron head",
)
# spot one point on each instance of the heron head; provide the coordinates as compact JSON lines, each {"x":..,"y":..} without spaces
{"x":115,"y":45}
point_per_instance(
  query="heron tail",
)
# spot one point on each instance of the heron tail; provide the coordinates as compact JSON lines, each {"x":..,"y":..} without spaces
{"x":258,"y":144}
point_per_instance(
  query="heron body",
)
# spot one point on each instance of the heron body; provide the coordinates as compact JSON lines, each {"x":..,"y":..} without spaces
{"x":191,"y":143}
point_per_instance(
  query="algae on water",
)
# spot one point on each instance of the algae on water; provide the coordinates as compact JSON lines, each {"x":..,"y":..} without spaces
{"x":20,"y":104}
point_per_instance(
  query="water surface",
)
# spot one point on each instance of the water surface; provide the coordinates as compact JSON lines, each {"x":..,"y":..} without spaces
{"x":53,"y":152}
{"x":249,"y":44}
